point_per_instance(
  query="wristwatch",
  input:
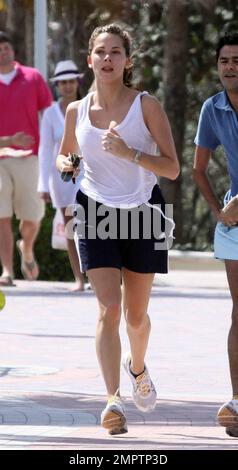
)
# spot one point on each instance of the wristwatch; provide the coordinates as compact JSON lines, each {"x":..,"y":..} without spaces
{"x":137,"y":156}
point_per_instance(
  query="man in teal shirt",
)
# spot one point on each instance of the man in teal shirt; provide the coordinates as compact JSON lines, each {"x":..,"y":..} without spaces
{"x":218,"y":125}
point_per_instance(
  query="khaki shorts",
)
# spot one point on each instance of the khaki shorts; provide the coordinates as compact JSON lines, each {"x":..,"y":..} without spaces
{"x":18,"y":189}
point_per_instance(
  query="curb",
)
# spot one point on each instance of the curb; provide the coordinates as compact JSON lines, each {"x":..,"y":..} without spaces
{"x":194,"y":260}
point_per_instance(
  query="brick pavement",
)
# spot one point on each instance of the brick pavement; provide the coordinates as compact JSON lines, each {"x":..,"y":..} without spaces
{"x":51,"y":389}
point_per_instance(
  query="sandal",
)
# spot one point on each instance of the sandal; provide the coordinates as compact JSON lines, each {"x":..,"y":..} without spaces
{"x":6,"y":281}
{"x":27,"y":267}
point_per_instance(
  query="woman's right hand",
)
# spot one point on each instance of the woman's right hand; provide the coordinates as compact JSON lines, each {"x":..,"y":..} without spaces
{"x":64,"y":165}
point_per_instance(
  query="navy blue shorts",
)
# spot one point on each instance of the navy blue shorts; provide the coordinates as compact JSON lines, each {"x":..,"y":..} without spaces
{"x":121,"y":238}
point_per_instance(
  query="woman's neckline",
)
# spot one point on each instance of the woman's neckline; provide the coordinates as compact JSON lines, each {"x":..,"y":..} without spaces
{"x":120,"y":123}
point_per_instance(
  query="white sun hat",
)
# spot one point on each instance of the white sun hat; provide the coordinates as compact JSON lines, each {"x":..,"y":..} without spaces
{"x":66,"y":70}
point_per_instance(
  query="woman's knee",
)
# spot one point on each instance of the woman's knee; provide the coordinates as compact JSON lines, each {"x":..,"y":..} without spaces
{"x":136,"y":319}
{"x":110,"y":313}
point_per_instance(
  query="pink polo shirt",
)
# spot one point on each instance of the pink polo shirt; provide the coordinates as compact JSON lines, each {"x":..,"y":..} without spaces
{"x":20,"y":102}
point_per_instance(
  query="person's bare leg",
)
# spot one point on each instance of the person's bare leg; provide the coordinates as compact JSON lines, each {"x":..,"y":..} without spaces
{"x":73,"y":258}
{"x":136,"y":293}
{"x":106,"y":284}
{"x":232,"y":276}
{"x":6,"y":247}
{"x":29,"y":231}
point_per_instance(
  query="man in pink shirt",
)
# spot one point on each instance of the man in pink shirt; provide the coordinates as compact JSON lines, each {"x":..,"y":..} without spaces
{"x":23,"y":94}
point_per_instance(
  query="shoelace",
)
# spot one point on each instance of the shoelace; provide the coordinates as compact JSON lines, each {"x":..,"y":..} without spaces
{"x":115,"y":398}
{"x":143,"y":385}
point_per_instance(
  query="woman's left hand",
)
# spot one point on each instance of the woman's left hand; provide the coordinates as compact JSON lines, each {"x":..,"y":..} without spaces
{"x":113,"y":143}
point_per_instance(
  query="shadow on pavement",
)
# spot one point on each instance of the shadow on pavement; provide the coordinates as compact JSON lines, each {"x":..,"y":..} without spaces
{"x":195,"y":294}
{"x":71,"y":420}
{"x":32,"y":406}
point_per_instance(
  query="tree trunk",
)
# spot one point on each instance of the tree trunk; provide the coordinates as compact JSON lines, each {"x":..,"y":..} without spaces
{"x":3,"y":16}
{"x":14,"y":18}
{"x":29,"y":35}
{"x":68,"y":38}
{"x":175,"y":61}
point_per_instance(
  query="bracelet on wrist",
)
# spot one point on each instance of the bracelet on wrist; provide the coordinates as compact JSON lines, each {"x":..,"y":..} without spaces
{"x":137,"y":156}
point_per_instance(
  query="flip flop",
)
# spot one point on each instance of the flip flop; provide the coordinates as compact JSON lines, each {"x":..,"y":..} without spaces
{"x":6,"y":281}
{"x":27,"y":266}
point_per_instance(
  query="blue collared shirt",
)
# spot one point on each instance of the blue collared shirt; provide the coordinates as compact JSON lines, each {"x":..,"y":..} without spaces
{"x":218,"y":125}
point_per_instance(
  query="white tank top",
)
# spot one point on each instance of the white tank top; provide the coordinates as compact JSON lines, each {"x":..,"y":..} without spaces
{"x":106,"y":178}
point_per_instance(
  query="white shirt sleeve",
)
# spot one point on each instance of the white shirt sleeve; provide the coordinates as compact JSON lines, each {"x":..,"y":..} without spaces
{"x":46,"y":153}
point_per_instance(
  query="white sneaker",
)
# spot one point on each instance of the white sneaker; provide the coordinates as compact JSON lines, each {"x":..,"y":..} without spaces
{"x":113,"y":417}
{"x":228,"y":414}
{"x":144,"y":393}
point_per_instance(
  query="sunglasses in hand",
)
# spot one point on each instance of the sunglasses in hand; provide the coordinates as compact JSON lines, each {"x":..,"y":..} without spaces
{"x":68,"y":175}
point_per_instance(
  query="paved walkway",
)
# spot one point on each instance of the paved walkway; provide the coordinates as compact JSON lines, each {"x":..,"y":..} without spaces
{"x":51,"y":391}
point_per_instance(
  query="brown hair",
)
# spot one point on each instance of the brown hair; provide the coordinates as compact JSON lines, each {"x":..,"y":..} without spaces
{"x":229,"y":39}
{"x":114,"y":28}
{"x":4,"y":37}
